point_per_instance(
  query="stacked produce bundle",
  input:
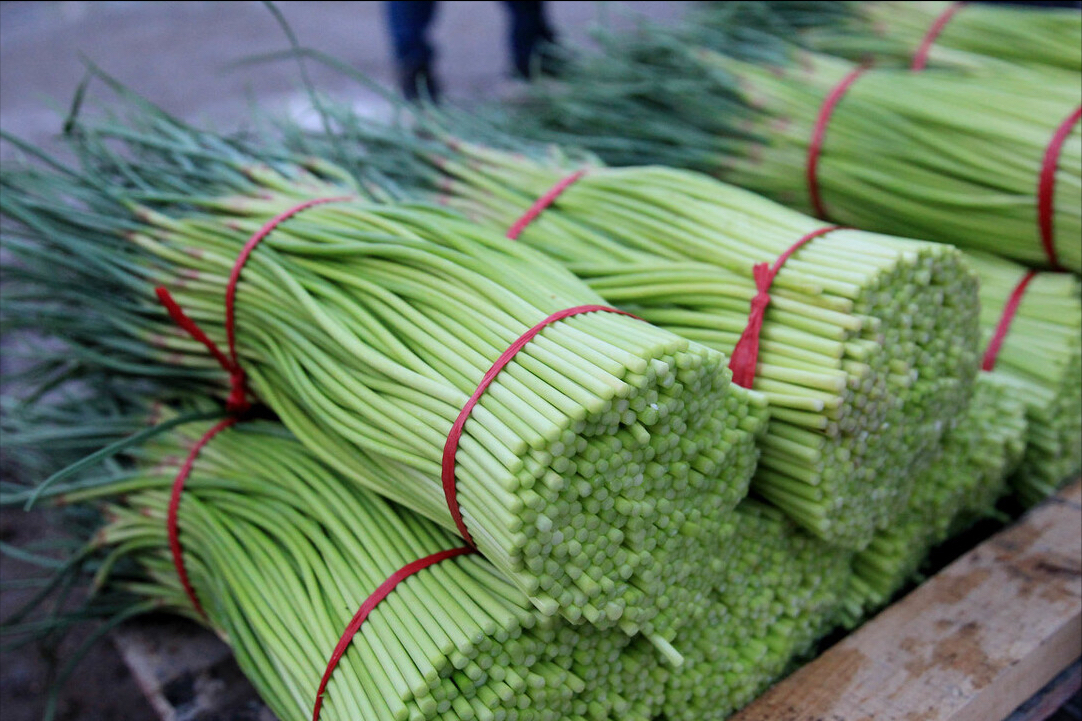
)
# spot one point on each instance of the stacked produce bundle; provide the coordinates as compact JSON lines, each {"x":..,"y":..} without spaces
{"x":770,"y":21}
{"x":780,"y":595}
{"x":946,"y":156}
{"x":1040,"y":357}
{"x":281,"y":552}
{"x":995,"y":451}
{"x":643,"y":96}
{"x":968,"y":477}
{"x":987,"y":157}
{"x":940,"y":32}
{"x":641,"y":681}
{"x":869,"y":346}
{"x":591,"y":469}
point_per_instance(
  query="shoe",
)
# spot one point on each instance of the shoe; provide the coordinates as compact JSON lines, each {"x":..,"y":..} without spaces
{"x":417,"y":83}
{"x":548,"y":60}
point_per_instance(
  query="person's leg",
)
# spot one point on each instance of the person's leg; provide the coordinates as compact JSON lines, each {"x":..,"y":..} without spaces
{"x":529,"y":29}
{"x":408,"y":21}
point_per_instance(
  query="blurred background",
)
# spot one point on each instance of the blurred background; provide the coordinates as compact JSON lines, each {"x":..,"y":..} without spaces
{"x":179,"y":54}
{"x":187,"y":58}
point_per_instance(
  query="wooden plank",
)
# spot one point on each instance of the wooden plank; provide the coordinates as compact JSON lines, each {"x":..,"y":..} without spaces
{"x":1053,"y":696}
{"x":970,"y":644}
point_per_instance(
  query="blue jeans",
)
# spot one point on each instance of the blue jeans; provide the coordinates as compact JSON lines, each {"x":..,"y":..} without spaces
{"x":409,"y":21}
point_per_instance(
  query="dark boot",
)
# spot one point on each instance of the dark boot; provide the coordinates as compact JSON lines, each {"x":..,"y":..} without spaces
{"x":414,"y":57}
{"x":418,"y":83}
{"x":533,"y":41}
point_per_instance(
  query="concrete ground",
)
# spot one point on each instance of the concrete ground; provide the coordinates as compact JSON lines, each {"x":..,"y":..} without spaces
{"x":178,"y":55}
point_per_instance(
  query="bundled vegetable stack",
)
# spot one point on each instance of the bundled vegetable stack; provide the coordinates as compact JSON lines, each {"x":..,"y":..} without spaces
{"x":781,"y":592}
{"x":563,"y":475}
{"x":1023,"y":427}
{"x":869,"y":345}
{"x":645,"y":97}
{"x":968,"y":477}
{"x":946,"y":33}
{"x":955,"y":157}
{"x":464,"y":363}
{"x":595,"y":469}
{"x":986,"y":157}
{"x":281,"y":552}
{"x":1039,"y":355}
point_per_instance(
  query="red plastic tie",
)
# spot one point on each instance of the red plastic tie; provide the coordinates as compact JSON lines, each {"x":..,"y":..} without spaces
{"x":744,"y":359}
{"x":1005,"y":320}
{"x":920,"y":58}
{"x":370,"y":603}
{"x":543,"y":202}
{"x":1047,"y":185}
{"x":238,"y":266}
{"x":238,"y":402}
{"x":450,"y":448}
{"x":238,"y":394}
{"x":238,"y":397}
{"x":819,"y":132}
{"x":174,"y":506}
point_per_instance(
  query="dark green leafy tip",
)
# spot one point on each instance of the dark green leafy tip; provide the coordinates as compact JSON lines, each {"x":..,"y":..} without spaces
{"x":114,"y":448}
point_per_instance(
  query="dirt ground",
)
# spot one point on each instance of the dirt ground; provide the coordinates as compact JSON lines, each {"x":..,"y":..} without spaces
{"x":101,"y":689}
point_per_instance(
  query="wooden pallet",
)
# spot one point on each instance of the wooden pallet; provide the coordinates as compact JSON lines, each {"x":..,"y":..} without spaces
{"x":972,"y":643}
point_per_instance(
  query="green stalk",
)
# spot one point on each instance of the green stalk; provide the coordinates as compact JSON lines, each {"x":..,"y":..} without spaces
{"x":367,"y":327}
{"x":866,"y":332}
{"x":281,"y":551}
{"x":977,"y":34}
{"x":1041,"y":361}
{"x":963,"y":484}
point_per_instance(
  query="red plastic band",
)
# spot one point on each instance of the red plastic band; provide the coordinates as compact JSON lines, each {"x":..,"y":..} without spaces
{"x":238,"y":395}
{"x":745,"y":356}
{"x":819,"y":132}
{"x":543,"y":202}
{"x":920,"y":58}
{"x":1046,"y":186}
{"x":174,"y":507}
{"x":450,"y":448}
{"x":1005,"y":320}
{"x":256,"y":239}
{"x":366,"y":608}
